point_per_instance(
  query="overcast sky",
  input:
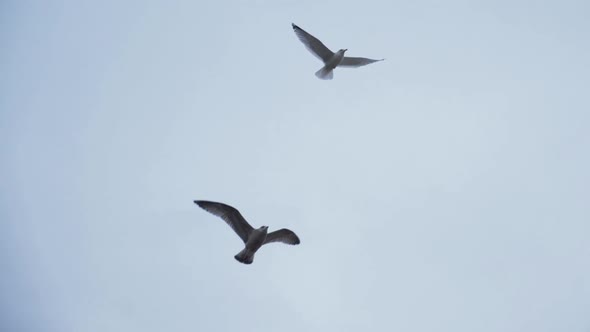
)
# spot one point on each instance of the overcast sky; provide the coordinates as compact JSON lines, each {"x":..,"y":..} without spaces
{"x":444,"y":189}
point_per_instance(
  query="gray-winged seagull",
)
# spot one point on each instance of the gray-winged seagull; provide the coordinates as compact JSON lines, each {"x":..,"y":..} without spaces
{"x":253,"y":238}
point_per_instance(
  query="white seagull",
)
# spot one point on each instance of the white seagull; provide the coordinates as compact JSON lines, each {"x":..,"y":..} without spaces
{"x":331,"y":60}
{"x":253,"y":238}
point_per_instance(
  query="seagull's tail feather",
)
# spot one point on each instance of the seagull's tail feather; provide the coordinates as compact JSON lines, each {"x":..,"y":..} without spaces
{"x":325,"y":74}
{"x":245,"y":256}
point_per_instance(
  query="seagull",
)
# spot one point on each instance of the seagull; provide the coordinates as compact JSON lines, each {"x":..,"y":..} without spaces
{"x":253,"y":238}
{"x":331,"y":60}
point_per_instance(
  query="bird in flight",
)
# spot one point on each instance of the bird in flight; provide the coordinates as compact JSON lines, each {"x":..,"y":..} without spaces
{"x":331,"y":60}
{"x":253,"y":238}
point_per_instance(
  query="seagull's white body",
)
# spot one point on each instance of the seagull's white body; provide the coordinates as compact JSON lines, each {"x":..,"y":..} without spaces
{"x":326,"y":72}
{"x":331,"y":60}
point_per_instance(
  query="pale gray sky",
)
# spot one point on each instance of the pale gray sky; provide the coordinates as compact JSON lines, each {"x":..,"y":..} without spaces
{"x":444,"y":189}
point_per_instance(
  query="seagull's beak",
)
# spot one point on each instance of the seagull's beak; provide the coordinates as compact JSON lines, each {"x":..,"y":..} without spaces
{"x":345,"y":49}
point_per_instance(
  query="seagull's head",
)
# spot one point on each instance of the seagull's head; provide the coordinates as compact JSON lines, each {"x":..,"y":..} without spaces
{"x":342,"y":50}
{"x":264,"y":228}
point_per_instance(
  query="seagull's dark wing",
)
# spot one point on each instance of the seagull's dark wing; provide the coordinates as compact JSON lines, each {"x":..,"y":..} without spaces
{"x":230,"y":215}
{"x":282,"y":235}
{"x":313,"y":44}
{"x":356,"y":62}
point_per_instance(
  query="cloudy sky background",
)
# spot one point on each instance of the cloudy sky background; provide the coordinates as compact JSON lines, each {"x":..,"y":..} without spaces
{"x":445,"y":189}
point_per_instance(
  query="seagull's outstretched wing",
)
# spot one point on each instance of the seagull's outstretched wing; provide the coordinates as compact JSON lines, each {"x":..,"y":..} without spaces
{"x":356,"y":62}
{"x":282,"y":235}
{"x":313,"y":44}
{"x":230,"y":215}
